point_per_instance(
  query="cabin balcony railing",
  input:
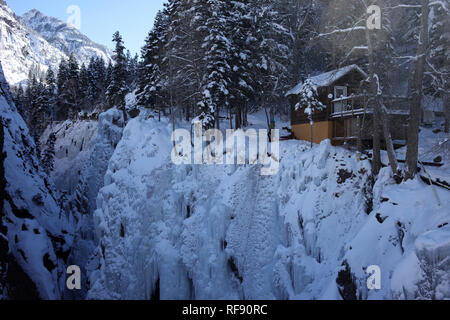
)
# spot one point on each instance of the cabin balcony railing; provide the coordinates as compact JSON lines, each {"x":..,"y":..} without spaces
{"x":349,"y":106}
{"x":358,"y":104}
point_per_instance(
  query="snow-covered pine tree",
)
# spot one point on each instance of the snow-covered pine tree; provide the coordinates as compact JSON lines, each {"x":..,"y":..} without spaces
{"x":150,"y":84}
{"x":72,"y":85}
{"x":310,"y":103}
{"x":97,"y":81}
{"x":171,"y":66}
{"x":206,"y":111}
{"x":108,"y":77}
{"x":270,"y":54}
{"x":50,"y":95}
{"x":118,"y":88}
{"x":133,"y":66}
{"x":35,"y":114}
{"x":217,"y":45}
{"x":83,"y":86}
{"x":68,"y":89}
{"x":62,"y":77}
{"x":19,"y":100}
{"x":193,"y":64}
{"x":242,"y":89}
{"x":48,"y":155}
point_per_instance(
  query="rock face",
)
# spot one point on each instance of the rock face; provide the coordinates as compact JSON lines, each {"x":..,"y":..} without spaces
{"x":35,"y":234}
{"x":36,"y":42}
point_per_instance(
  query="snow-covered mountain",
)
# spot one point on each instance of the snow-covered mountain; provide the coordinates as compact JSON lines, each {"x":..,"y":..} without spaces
{"x":35,"y":233}
{"x":22,"y":49}
{"x":36,"y":42}
{"x":65,"y":37}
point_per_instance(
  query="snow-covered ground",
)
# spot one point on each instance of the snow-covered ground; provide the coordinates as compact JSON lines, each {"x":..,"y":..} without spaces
{"x":226,"y":232}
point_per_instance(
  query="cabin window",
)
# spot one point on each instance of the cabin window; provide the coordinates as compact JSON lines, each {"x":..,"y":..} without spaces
{"x":339,"y":92}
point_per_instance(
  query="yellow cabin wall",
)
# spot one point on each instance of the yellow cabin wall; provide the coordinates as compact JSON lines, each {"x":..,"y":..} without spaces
{"x":321,"y":131}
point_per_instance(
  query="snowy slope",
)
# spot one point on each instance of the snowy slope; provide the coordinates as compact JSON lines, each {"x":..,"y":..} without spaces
{"x":36,"y":234}
{"x":64,"y":37}
{"x":225,"y":232}
{"x":22,"y":49}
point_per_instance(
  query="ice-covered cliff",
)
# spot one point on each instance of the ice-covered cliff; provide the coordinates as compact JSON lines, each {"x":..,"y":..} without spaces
{"x":83,"y":150}
{"x":225,"y":232}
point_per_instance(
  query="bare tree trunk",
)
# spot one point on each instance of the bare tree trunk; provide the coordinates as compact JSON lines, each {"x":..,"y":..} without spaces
{"x":413,"y":127}
{"x":238,"y":123}
{"x":358,"y":139}
{"x":245,"y":114}
{"x":172,"y":108}
{"x":218,"y":118}
{"x":447,"y":111}
{"x":376,"y":157}
{"x":389,"y":145}
{"x":188,"y":112}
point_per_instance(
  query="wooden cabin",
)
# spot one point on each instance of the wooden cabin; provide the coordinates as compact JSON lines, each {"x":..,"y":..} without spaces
{"x":347,"y":117}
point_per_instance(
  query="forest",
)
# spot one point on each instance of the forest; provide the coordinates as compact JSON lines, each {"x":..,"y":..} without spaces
{"x":221,"y":60}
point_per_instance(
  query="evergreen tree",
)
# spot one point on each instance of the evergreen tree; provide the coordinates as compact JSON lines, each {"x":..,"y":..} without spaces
{"x":48,"y":156}
{"x":83,"y":85}
{"x":242,"y":88}
{"x":68,"y":88}
{"x":269,"y":55}
{"x":108,"y":74}
{"x":96,"y":81}
{"x":35,"y":113}
{"x":133,"y":66}
{"x":118,"y":87}
{"x":150,"y":80}
{"x":310,"y":103}
{"x":50,"y":94}
{"x":19,"y":100}
{"x":217,"y":45}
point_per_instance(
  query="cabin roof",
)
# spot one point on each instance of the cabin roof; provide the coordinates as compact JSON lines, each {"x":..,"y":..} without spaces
{"x":328,"y":78}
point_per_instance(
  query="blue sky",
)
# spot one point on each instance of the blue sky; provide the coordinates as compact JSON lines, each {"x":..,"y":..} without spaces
{"x":101,"y":18}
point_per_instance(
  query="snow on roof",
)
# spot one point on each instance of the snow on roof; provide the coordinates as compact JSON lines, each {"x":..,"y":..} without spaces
{"x":328,"y":78}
